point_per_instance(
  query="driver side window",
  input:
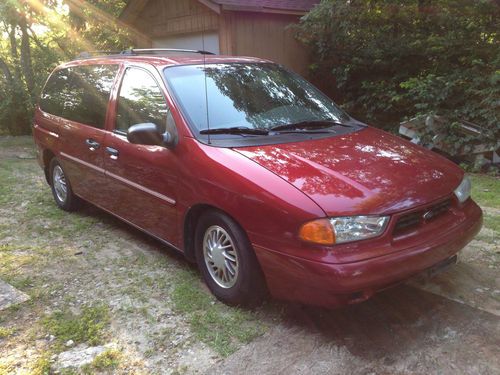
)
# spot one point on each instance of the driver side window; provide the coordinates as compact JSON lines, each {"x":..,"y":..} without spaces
{"x":140,"y":100}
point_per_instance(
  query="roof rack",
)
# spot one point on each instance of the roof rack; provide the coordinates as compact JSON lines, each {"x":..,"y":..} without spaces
{"x":88,"y":54}
{"x":159,"y":51}
{"x":138,"y":52}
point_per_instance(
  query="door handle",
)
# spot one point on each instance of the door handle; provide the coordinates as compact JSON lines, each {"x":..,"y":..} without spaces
{"x":113,"y":152}
{"x":93,"y":145}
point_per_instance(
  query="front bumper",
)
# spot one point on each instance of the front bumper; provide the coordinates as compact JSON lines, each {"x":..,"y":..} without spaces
{"x":329,"y":284}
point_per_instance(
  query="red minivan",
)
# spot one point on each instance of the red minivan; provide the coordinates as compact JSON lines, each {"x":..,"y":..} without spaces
{"x":253,"y":173}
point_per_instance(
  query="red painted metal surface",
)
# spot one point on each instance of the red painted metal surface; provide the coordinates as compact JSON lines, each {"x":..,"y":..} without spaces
{"x":271,"y":191}
{"x":367,"y":171}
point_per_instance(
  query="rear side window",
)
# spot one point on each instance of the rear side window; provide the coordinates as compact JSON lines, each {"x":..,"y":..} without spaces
{"x":80,"y":93}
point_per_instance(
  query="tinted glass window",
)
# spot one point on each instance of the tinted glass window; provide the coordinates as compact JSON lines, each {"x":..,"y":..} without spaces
{"x":80,"y":93}
{"x":248,"y":95}
{"x":140,"y":101}
{"x":56,"y":92}
{"x":90,"y":86}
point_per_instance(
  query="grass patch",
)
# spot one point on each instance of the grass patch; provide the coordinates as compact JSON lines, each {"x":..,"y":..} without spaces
{"x":108,"y":360}
{"x":486,"y":190}
{"x":17,"y":141}
{"x":6,"y":332}
{"x":492,"y":222}
{"x":88,"y":327}
{"x":14,"y":258}
{"x":221,"y":327}
{"x":41,"y":365}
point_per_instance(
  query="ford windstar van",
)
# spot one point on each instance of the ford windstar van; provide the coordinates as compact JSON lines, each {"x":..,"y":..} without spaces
{"x":251,"y":172}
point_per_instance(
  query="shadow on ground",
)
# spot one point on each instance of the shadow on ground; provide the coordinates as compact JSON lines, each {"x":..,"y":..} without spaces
{"x":400,"y":330}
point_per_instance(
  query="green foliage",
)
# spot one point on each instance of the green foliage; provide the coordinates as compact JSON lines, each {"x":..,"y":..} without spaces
{"x":38,"y":36}
{"x":388,"y":60}
{"x":88,"y":327}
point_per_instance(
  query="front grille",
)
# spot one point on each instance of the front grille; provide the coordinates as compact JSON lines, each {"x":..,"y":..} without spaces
{"x":438,"y":209}
{"x":409,"y":220}
{"x":414,"y":219}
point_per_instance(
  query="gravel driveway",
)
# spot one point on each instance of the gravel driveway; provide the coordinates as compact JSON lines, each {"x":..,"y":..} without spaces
{"x":98,"y":286}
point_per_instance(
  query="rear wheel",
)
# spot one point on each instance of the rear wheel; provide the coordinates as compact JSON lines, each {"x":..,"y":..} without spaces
{"x":61,"y":188}
{"x":227,"y":261}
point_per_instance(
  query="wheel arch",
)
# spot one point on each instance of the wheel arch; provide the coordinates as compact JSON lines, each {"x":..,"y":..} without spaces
{"x":191,"y":219}
{"x":47,"y":157}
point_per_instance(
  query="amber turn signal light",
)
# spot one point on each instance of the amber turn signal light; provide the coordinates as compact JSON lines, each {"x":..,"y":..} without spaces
{"x":318,"y":231}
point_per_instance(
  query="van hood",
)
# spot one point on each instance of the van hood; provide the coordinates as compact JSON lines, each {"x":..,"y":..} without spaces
{"x":364,"y":172}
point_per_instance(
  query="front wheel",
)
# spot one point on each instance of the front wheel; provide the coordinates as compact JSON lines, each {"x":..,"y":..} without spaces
{"x":227,"y":261}
{"x":61,"y":188}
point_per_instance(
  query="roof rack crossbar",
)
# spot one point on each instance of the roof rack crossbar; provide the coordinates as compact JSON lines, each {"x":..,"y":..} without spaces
{"x":150,"y":51}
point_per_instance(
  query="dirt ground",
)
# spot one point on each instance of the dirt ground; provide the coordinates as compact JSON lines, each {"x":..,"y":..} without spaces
{"x":95,"y":282}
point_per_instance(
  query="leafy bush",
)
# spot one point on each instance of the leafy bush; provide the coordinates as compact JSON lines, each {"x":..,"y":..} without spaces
{"x":388,"y":60}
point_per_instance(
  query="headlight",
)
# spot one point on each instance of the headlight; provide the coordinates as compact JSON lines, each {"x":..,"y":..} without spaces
{"x":355,"y":228}
{"x":462,"y":192}
{"x":343,"y":229}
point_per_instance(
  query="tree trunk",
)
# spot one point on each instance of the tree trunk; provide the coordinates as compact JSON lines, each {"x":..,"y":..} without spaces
{"x":13,"y":53}
{"x":7,"y":74}
{"x":26,"y":62}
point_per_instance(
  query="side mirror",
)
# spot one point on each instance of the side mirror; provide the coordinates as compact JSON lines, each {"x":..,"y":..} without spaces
{"x":148,"y":134}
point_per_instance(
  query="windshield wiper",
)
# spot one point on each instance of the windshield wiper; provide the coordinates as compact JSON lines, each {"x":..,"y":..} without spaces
{"x":309,"y":126}
{"x":235,"y":130}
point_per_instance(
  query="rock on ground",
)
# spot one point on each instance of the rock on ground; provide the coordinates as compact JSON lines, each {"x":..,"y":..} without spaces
{"x":10,"y":296}
{"x":77,"y":357}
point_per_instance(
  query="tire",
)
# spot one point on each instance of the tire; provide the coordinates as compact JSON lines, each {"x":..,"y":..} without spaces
{"x":247,"y":286}
{"x":65,"y":199}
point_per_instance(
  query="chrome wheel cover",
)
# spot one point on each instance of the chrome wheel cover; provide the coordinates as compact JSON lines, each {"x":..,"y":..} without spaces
{"x":221,"y":257}
{"x":59,"y":182}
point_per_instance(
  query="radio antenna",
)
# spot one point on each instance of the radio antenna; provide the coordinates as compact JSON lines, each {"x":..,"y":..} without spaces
{"x":205,"y":77}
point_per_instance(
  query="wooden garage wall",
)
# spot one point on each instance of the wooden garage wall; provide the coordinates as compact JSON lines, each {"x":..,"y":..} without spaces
{"x":161,"y":18}
{"x":266,"y":35}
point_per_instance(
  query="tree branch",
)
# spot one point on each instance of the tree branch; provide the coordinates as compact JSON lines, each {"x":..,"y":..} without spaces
{"x":36,"y":40}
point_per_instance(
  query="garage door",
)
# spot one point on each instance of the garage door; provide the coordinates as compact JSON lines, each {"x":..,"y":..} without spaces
{"x":190,"y":41}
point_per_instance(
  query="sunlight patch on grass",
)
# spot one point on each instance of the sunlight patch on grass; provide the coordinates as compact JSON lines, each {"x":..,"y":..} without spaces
{"x":41,"y":366}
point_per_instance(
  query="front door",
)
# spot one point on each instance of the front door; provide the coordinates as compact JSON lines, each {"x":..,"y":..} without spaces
{"x":142,"y":179}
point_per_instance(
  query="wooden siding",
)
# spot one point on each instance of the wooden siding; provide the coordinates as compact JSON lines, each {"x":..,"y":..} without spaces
{"x":268,"y":36}
{"x":258,"y":34}
{"x":161,"y":18}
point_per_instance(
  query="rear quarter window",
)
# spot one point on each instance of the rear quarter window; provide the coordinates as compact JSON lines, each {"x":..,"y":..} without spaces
{"x":80,"y":93}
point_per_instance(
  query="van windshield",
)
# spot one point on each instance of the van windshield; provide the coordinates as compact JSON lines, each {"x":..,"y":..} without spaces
{"x":247,"y":95}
